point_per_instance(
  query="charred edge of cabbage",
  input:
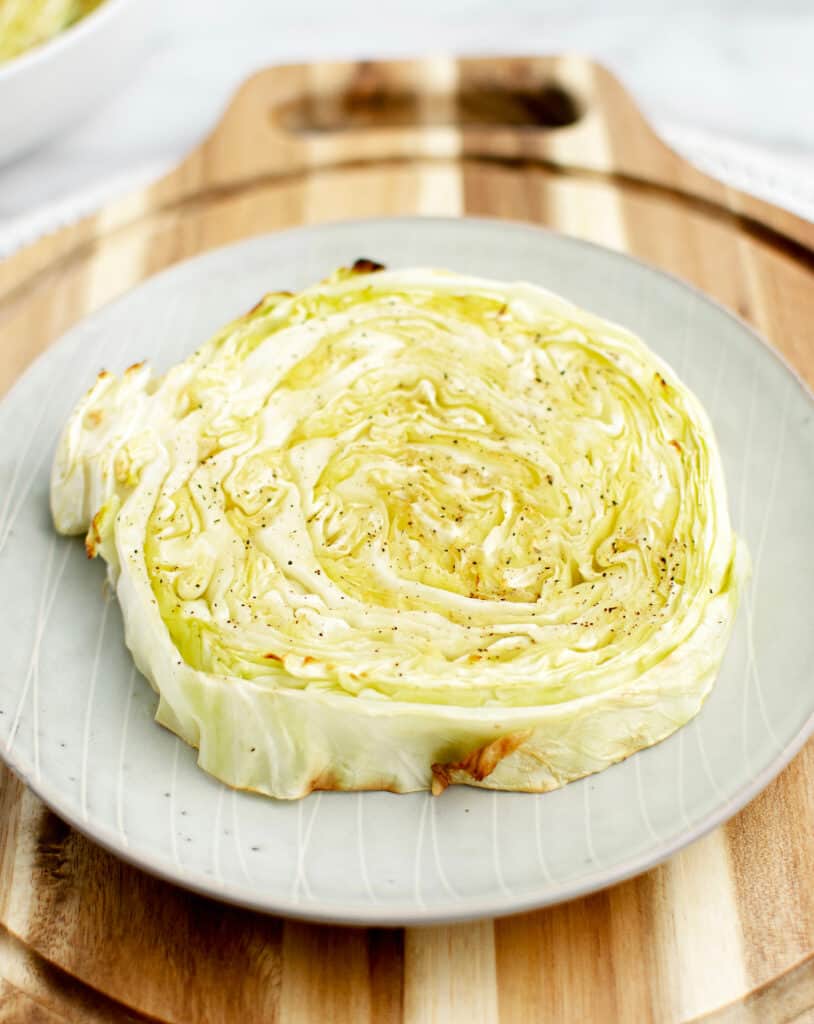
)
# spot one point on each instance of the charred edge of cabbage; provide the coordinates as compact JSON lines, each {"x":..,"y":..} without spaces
{"x":478,"y":764}
{"x":366,"y":266}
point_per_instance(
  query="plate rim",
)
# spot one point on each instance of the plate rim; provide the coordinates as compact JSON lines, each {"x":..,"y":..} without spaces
{"x":413,"y":914}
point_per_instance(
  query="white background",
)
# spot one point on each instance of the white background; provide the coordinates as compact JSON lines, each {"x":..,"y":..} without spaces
{"x":731,"y":83}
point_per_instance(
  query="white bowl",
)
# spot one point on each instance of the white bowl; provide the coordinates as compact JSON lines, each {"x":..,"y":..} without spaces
{"x":49,"y":88}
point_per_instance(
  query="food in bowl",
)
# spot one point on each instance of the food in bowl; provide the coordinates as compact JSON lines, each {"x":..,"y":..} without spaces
{"x":407,"y":529}
{"x":25,"y":24}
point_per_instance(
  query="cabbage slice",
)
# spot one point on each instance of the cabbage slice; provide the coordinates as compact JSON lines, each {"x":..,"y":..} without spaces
{"x":406,"y":529}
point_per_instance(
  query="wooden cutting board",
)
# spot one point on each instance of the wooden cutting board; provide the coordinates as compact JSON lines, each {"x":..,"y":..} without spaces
{"x":722,"y":932}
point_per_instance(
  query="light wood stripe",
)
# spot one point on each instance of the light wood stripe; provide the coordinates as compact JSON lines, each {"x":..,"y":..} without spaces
{"x":450,"y":970}
{"x":699,"y":928}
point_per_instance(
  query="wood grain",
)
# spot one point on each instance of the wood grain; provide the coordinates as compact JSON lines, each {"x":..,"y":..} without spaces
{"x":724,"y":931}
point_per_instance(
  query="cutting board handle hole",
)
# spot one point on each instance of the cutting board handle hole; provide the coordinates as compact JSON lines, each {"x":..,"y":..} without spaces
{"x":366,"y":104}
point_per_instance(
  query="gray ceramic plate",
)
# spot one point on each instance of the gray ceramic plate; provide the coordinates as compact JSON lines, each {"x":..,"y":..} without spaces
{"x":76,"y":720}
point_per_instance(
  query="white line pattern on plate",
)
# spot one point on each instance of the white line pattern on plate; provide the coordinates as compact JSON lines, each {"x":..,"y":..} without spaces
{"x":216,"y":836}
{"x":741,"y":520}
{"x":21,"y":458}
{"x":538,"y":831}
{"x":241,"y":860}
{"x":360,"y":840}
{"x":419,"y":842}
{"x":436,"y":850}
{"x":97,"y":654}
{"x":752,"y":665}
{"x":680,"y":364}
{"x":295,"y":888}
{"x":501,"y":881}
{"x":682,"y":805}
{"x":176,"y":748}
{"x":304,"y":840}
{"x":694,"y":727}
{"x":35,"y":646}
{"x":8,"y":518}
{"x":586,"y":809}
{"x":12,"y":517}
{"x":747,"y":448}
{"x":122,"y":750}
{"x":44,"y":609}
{"x":640,"y":795}
{"x":712,"y":405}
{"x":35,"y":689}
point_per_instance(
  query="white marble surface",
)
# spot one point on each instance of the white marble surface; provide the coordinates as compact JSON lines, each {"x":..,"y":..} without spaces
{"x":731,"y":83}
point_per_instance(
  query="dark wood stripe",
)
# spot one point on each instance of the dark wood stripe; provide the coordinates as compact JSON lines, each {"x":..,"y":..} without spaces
{"x":385,"y":950}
